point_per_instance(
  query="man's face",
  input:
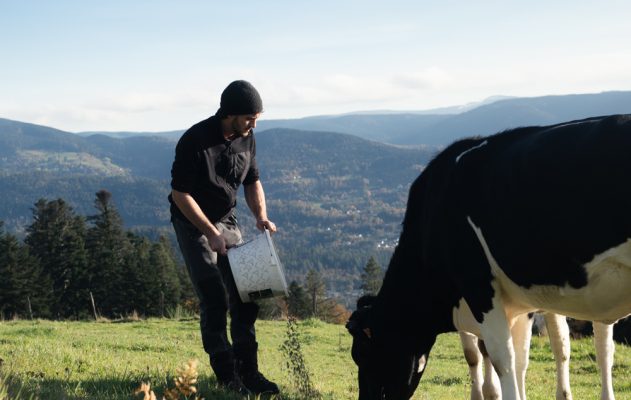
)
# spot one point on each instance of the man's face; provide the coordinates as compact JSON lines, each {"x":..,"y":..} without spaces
{"x":243,"y":124}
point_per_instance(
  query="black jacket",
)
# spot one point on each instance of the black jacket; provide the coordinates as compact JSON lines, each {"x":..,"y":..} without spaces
{"x":211,"y":169}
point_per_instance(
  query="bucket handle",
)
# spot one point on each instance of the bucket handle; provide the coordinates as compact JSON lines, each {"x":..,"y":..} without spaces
{"x":268,"y":236}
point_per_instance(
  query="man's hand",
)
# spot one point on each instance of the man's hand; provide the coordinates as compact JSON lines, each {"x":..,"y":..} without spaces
{"x":217,"y":243}
{"x":196,"y":216}
{"x":266,"y":224}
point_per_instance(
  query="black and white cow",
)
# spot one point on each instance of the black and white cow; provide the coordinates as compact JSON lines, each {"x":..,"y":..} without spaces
{"x":535,"y":218}
{"x":484,"y":381}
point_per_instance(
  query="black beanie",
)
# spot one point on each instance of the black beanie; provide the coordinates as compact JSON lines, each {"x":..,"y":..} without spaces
{"x":240,"y":98}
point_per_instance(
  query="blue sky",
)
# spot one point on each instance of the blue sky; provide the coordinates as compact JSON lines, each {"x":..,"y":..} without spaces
{"x":161,"y":65}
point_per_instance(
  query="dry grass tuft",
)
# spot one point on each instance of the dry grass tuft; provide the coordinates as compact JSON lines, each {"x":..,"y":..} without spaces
{"x":185,"y":382}
{"x":145,"y":388}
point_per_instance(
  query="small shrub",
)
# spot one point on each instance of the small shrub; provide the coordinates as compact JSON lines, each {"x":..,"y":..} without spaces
{"x":295,"y":363}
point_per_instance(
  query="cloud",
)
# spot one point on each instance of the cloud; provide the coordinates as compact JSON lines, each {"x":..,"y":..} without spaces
{"x":333,"y":89}
{"x":429,"y":78}
{"x":340,"y":93}
{"x":143,"y":102}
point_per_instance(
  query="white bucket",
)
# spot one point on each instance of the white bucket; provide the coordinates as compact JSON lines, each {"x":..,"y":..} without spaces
{"x":257,"y":270}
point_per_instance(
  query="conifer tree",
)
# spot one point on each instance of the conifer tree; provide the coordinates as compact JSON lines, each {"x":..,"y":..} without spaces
{"x":298,"y":302}
{"x":187,"y":292}
{"x":24,"y":290}
{"x":57,"y":238}
{"x":371,"y":277}
{"x":108,"y":249}
{"x":164,"y":266}
{"x":139,"y":281}
{"x":187,"y":298}
{"x":316,"y":289}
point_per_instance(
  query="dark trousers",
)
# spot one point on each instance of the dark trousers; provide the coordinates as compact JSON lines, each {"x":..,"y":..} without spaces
{"x":212,"y":279}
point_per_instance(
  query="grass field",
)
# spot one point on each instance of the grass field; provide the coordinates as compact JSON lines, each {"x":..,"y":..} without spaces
{"x":109,"y":360}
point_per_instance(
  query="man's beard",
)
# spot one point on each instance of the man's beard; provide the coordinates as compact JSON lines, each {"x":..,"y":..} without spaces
{"x":236,"y":131}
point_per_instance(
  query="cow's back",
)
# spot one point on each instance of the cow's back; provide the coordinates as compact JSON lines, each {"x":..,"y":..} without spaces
{"x":546,"y":201}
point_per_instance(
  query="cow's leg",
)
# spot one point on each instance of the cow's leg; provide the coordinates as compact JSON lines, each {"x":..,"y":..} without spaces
{"x":475,"y":352}
{"x":603,"y":341}
{"x":494,"y":326}
{"x":559,"y":336}
{"x":474,"y":360}
{"x":491,"y":387}
{"x":498,"y":341}
{"x":522,"y":333}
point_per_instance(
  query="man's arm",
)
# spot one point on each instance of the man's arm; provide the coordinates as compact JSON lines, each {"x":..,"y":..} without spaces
{"x":191,"y":210}
{"x":255,"y":198}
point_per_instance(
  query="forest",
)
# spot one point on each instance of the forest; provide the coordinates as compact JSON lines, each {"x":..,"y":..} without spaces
{"x":73,"y":267}
{"x":77,"y":267}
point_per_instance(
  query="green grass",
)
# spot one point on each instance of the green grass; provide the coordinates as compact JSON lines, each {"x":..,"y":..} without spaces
{"x":108,"y":360}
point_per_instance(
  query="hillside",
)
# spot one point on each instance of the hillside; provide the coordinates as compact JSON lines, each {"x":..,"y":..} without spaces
{"x":336,"y":198}
{"x":27,"y":147}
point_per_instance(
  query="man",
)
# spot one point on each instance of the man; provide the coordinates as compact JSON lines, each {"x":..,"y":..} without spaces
{"x":212,"y":159}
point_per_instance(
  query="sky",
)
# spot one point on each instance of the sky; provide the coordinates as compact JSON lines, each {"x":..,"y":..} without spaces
{"x":157,"y":65}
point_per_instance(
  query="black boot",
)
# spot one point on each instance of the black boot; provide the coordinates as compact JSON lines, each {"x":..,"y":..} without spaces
{"x":223,"y":364}
{"x":249,"y":372}
{"x":257,"y":383}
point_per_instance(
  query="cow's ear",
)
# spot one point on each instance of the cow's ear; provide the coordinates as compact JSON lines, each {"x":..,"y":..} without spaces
{"x":368,"y":332}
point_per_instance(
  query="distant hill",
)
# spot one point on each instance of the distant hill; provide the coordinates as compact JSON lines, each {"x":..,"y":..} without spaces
{"x":385,"y":128}
{"x":485,"y":119}
{"x":441,"y":127}
{"x":127,"y":134}
{"x":373,"y":125}
{"x":513,"y":113}
{"x":29,"y":147}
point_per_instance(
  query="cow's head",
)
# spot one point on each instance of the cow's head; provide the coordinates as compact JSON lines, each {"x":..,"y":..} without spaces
{"x":387,"y":370}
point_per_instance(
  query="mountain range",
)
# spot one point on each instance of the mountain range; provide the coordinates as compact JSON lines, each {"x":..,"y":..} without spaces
{"x":441,"y":127}
{"x":336,"y":185}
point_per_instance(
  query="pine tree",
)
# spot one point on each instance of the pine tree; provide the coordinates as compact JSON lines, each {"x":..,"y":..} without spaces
{"x":24,"y":290}
{"x":316,"y":289}
{"x":188,"y":298}
{"x":165,"y":267}
{"x":272,"y":308}
{"x":298,"y":302}
{"x":57,"y":238}
{"x":108,"y":249}
{"x":139,"y":280}
{"x":371,"y":277}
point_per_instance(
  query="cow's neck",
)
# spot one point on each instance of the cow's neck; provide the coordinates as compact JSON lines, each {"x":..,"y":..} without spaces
{"x":408,"y":305}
